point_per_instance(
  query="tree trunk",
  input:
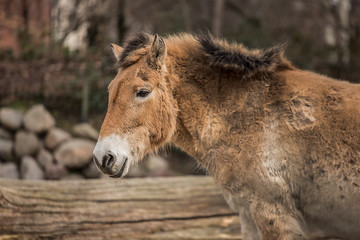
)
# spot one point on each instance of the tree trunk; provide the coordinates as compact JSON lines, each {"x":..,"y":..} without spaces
{"x":152,"y":208}
{"x":186,"y":15}
{"x":218,"y":15}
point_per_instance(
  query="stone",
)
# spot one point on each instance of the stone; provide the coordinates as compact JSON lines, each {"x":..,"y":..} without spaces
{"x":37,"y":119}
{"x":137,"y":171}
{"x":157,"y":166}
{"x":72,"y":176}
{"x":55,"y":137}
{"x":5,"y":134}
{"x":44,"y":158}
{"x":9,"y":170}
{"x":91,"y":171}
{"x":11,"y":118}
{"x":30,"y":170}
{"x":26,"y":143}
{"x":55,"y":171}
{"x":85,"y":130}
{"x":6,"y":150}
{"x":75,"y":153}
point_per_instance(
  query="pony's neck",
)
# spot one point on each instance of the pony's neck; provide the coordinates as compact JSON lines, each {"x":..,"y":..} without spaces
{"x":208,"y":98}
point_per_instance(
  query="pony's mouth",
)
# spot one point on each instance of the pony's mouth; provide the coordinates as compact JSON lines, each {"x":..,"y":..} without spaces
{"x":120,"y":173}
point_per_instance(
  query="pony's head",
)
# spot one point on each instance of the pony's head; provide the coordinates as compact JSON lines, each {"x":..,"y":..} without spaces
{"x":141,"y":114}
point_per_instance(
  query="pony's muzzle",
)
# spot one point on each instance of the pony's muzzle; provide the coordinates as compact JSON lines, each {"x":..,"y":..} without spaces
{"x":111,"y":164}
{"x":111,"y":155}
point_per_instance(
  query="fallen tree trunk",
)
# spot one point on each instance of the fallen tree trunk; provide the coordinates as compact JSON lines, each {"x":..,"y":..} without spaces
{"x":151,"y":208}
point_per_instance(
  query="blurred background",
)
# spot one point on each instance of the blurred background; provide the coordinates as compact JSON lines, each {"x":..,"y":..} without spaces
{"x":55,"y":65}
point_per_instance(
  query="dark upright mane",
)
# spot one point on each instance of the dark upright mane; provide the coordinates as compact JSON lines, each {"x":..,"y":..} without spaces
{"x":134,"y":43}
{"x":238,"y":58}
{"x":219,"y":52}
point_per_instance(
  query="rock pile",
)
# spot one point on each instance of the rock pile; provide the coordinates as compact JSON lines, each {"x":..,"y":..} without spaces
{"x":32,"y":147}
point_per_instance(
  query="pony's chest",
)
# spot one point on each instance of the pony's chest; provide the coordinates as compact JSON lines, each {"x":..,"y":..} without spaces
{"x":210,"y":129}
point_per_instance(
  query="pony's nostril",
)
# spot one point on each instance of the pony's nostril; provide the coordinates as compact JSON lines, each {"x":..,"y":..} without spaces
{"x":108,"y":161}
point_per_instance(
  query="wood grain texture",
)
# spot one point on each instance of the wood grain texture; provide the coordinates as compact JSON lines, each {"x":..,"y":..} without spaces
{"x":151,"y":208}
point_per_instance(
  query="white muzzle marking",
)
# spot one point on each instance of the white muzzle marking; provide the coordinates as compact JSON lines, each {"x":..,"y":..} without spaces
{"x":112,"y":155}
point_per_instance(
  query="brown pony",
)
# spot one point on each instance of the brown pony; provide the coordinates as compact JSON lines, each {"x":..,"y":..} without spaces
{"x":284,"y":144}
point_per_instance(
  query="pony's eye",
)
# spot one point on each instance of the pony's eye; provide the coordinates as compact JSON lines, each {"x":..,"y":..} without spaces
{"x":142,"y":93}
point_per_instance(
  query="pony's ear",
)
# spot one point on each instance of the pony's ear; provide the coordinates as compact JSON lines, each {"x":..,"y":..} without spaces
{"x":117,"y":50}
{"x":158,"y":50}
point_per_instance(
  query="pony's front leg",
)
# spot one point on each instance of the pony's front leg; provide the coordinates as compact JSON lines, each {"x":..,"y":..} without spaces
{"x":277,"y":222}
{"x":240,"y":203}
{"x":249,"y":229}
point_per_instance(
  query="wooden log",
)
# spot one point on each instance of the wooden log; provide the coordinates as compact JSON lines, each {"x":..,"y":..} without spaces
{"x":150,"y":208}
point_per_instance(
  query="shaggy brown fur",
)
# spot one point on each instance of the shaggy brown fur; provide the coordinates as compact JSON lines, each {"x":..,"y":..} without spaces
{"x":283,"y":143}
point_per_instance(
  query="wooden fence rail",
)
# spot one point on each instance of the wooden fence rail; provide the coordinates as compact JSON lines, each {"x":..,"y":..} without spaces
{"x":150,"y":208}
